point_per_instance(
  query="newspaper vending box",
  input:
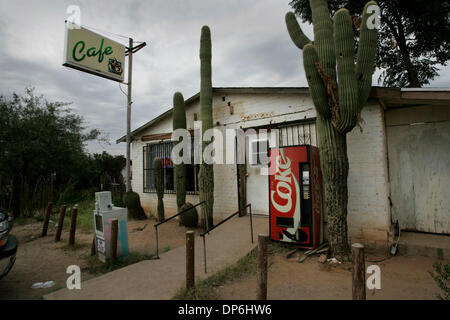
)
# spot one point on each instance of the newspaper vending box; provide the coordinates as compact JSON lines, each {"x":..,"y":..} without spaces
{"x":104,"y":212}
{"x":295,"y":192}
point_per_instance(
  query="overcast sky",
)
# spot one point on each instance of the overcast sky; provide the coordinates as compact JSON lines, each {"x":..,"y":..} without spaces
{"x":250,"y":47}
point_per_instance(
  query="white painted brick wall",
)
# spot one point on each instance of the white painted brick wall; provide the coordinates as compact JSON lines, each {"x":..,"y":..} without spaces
{"x":225,"y":189}
{"x":368,"y":211}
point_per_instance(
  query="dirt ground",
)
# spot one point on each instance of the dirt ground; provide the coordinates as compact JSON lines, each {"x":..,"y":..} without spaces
{"x":41,"y":259}
{"x":402,"y":278}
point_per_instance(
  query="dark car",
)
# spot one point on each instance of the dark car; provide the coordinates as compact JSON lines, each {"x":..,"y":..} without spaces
{"x":8,"y":244}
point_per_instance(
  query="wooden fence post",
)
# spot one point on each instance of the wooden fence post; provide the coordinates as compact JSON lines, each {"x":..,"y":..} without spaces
{"x":48,"y":212}
{"x":262,"y":267}
{"x":114,"y":235}
{"x":73,"y":225}
{"x":93,"y":246}
{"x":190,"y":260}
{"x":62,"y":214}
{"x":358,"y":272}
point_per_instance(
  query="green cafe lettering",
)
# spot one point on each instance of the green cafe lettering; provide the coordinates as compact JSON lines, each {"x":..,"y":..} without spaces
{"x":79,"y":55}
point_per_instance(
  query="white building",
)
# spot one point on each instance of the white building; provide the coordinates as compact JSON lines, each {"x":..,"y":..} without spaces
{"x":399,"y":158}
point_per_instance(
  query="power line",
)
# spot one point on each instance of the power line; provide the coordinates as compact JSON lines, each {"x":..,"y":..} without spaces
{"x":110,"y":33}
{"x":121,"y":89}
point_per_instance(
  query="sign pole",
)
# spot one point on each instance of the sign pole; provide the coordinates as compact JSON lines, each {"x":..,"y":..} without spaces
{"x":75,"y":56}
{"x":130,"y":69}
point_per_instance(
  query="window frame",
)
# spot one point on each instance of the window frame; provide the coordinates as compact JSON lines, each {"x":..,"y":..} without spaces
{"x":258,"y":152}
{"x":163,"y":150}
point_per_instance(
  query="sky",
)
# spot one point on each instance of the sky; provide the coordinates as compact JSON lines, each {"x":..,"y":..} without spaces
{"x":250,"y":48}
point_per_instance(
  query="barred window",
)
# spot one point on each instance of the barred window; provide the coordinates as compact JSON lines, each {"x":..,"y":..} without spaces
{"x":298,"y":134}
{"x":163,"y":151}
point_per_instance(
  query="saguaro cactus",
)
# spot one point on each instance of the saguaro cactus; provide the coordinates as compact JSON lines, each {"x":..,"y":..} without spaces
{"x":206,"y":174}
{"x":338,"y":98}
{"x":159,"y":182}
{"x":179,"y":122}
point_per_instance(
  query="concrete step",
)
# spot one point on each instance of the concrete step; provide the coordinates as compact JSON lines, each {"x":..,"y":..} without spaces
{"x":424,"y":244}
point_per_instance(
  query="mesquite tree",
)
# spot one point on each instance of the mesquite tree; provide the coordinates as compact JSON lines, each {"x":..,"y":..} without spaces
{"x":206,"y":173}
{"x":179,"y":122}
{"x":338,"y":95}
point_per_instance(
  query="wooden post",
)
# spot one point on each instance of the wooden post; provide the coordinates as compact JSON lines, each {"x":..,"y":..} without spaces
{"x":190,"y":262}
{"x":262,"y":267}
{"x":93,"y":246}
{"x":48,"y":212}
{"x":358,"y":272}
{"x":62,"y":214}
{"x":114,"y":235}
{"x":73,"y":225}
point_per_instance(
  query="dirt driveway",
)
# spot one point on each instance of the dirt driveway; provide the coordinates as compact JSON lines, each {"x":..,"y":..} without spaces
{"x":402,"y":278}
{"x":41,"y":259}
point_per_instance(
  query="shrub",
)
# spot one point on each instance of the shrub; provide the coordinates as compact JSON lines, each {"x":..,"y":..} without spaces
{"x":133,"y":203}
{"x":190,"y":217}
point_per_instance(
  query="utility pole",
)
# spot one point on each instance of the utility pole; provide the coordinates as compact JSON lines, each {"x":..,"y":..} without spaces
{"x":130,"y":70}
{"x":130,"y":52}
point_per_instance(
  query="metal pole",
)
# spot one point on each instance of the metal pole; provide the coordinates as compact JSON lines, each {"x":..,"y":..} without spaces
{"x":205,"y":219}
{"x":157,"y":243}
{"x":130,"y":69}
{"x":251,"y":222}
{"x":204,"y":253}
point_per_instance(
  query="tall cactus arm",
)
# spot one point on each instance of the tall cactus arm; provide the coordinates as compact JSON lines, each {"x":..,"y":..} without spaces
{"x":295,"y":32}
{"x":365,"y":63}
{"x":179,"y":113}
{"x":206,"y":173}
{"x":179,"y":122}
{"x":205,"y":81}
{"x":159,"y":183}
{"x":346,"y":115}
{"x":323,"y":36}
{"x":159,"y":177}
{"x":316,"y":84}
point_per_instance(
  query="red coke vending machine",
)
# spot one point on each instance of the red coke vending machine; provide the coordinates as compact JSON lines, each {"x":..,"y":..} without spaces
{"x":295,"y":191}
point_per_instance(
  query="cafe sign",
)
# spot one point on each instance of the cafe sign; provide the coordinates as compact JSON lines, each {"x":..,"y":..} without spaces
{"x":90,"y":52}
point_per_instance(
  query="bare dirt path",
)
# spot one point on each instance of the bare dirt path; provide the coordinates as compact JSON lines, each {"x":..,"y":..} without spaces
{"x":41,"y":259}
{"x":402,"y":278}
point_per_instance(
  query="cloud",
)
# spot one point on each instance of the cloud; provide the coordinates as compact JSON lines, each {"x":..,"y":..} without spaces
{"x":251,"y":47}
